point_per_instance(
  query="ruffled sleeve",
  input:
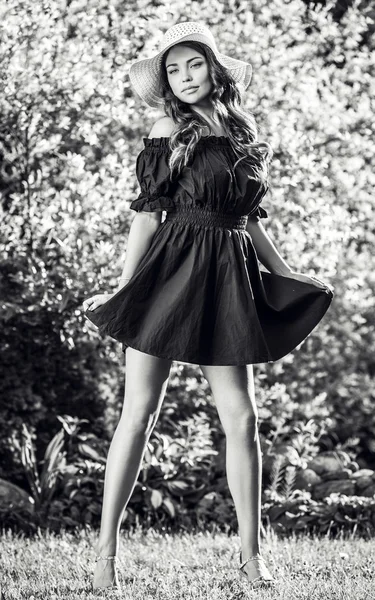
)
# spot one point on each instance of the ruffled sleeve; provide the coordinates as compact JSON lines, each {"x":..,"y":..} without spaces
{"x":259,"y":212}
{"x":153,"y":172}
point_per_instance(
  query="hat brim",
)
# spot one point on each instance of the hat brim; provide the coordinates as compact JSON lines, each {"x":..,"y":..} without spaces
{"x":144,"y":74}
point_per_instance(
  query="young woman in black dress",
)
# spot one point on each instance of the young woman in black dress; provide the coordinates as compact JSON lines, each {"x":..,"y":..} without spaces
{"x":191,"y":289}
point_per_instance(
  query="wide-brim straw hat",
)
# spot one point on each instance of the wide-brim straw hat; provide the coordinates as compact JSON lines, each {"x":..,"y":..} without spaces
{"x":144,"y":74}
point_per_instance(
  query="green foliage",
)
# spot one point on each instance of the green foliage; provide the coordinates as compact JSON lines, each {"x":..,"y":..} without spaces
{"x":59,"y":171}
{"x":70,"y":130}
{"x":182,"y":485}
{"x":332,"y":516}
{"x":42,"y":485}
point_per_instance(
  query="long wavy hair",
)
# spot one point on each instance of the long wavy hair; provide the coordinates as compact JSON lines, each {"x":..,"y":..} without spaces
{"x":239,"y":124}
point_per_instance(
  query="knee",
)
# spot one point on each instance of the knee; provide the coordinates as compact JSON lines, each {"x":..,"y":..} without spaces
{"x":138,"y":421}
{"x":142,"y":404}
{"x":242,"y":425}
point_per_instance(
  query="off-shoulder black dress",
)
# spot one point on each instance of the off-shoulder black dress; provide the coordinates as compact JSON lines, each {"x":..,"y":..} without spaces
{"x":198,"y":295}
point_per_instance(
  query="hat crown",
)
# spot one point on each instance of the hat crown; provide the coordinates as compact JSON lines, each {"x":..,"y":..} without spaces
{"x":180,"y":30}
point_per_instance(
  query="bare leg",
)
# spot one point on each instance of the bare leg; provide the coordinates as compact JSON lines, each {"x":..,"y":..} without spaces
{"x":233,"y":391}
{"x":146,"y":382}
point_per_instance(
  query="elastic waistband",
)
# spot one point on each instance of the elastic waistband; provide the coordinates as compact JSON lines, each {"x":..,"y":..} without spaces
{"x":207,"y":218}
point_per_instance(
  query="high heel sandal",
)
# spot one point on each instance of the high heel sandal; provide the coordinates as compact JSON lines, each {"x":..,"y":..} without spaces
{"x":115,"y":585}
{"x":265,"y":579}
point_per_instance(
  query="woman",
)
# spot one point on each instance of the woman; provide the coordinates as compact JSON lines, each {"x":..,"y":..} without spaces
{"x":191,"y":289}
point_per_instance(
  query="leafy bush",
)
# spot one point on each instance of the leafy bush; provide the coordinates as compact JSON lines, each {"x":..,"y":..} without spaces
{"x":70,"y":130}
{"x":182,"y":485}
{"x":333,"y":516}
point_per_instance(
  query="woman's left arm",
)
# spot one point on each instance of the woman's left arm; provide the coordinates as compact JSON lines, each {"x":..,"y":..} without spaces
{"x":266,"y":250}
{"x":270,"y":257}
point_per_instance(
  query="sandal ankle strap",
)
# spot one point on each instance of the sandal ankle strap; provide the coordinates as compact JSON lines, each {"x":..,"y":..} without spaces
{"x":256,"y":557}
{"x":105,"y":558}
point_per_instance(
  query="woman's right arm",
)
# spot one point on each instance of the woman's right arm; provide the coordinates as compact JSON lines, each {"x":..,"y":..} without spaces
{"x":142,"y":230}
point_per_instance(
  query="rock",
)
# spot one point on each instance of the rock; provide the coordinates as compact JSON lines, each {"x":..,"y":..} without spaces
{"x":363,"y":473}
{"x":12,"y":496}
{"x":362,"y":483}
{"x":339,"y":474}
{"x":369,"y":492}
{"x":328,"y":462}
{"x":340,"y":486}
{"x":306,"y":478}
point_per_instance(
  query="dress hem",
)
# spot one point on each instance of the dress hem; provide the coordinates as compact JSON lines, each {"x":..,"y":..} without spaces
{"x":200,"y":362}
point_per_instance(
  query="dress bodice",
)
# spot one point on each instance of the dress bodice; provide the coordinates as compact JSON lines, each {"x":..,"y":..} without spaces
{"x":211,"y":180}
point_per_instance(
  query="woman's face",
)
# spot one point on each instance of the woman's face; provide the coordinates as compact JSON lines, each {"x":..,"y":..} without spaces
{"x":186,"y":68}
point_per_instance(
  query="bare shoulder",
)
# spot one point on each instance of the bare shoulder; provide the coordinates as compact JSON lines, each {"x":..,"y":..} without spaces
{"x":162,"y":128}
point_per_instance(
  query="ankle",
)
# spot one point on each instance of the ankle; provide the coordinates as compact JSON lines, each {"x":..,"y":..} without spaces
{"x":106,"y":548}
{"x":249,"y":551}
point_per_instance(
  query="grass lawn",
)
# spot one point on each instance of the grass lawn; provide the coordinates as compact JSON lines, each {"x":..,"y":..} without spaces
{"x":185,"y":567}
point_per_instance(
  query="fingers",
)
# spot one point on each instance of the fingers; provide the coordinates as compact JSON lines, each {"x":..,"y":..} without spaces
{"x":330,"y":288}
{"x":95,"y":301}
{"x":86,"y":305}
{"x":322,"y":285}
{"x":89,"y":304}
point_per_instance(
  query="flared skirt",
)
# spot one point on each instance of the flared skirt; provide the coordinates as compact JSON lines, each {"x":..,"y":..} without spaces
{"x":198,"y":296}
